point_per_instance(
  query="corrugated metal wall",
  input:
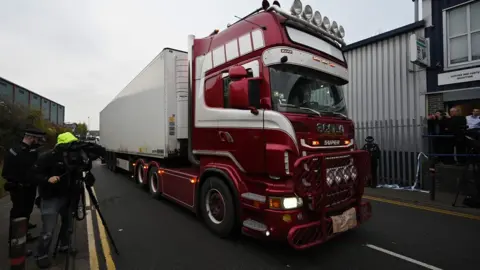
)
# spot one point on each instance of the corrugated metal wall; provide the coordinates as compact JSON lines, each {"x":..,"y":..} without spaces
{"x":385,"y":100}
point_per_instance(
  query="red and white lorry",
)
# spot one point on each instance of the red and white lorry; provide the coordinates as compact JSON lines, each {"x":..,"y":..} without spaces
{"x":248,"y":129}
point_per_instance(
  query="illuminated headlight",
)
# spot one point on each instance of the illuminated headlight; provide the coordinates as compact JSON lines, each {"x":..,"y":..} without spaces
{"x":330,"y":176}
{"x":353,"y":172}
{"x":292,"y":203}
{"x":285,"y":203}
{"x":287,"y":163}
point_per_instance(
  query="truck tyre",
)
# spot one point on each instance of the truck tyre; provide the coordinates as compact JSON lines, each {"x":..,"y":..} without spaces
{"x":109,"y":161}
{"x":114,"y":163}
{"x":217,"y":207}
{"x":154,"y":183}
{"x":139,"y":177}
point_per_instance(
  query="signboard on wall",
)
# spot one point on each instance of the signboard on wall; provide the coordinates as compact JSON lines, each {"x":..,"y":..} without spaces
{"x":459,"y":76}
{"x":419,"y":50}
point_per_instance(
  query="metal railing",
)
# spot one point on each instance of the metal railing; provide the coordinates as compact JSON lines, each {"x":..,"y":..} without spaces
{"x":401,"y":144}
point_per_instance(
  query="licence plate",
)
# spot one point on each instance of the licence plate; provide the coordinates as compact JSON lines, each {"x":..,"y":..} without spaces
{"x":344,"y":222}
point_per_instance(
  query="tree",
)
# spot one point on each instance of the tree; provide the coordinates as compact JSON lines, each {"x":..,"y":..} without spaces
{"x":81,"y":129}
{"x":14,"y":119}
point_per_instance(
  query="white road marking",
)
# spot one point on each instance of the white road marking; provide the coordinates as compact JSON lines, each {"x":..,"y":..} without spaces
{"x":428,"y":266}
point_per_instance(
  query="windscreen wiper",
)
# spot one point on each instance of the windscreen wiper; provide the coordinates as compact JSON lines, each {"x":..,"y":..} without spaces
{"x":330,"y":113}
{"x":302,"y":108}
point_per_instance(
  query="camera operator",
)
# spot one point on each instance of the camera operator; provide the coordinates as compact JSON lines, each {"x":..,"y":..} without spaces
{"x":51,"y":172}
{"x":17,"y":171}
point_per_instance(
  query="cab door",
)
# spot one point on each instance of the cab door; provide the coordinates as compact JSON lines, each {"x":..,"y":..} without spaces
{"x":240,"y":133}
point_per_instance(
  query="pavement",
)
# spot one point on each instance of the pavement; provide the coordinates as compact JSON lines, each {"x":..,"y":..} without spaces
{"x":442,"y":203}
{"x":404,"y":233}
{"x":80,"y":261}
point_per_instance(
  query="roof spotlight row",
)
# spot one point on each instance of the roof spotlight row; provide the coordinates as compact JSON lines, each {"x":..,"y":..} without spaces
{"x":315,"y":18}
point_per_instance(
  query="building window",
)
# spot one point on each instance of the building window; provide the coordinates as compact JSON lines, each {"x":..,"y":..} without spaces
{"x":463,"y":34}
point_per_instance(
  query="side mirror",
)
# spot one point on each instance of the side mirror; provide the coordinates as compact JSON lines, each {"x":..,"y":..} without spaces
{"x":238,"y":97}
{"x":237,"y":72}
{"x":245,"y":94}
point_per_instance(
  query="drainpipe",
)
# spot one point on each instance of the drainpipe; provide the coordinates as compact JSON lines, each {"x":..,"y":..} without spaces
{"x":417,"y":7}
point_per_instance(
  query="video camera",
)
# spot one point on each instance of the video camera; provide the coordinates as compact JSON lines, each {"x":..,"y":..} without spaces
{"x":78,"y":157}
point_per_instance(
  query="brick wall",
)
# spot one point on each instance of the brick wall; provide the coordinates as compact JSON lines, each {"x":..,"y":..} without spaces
{"x":435,"y":102}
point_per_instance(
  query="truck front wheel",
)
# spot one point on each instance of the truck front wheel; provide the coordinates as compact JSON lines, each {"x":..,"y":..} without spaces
{"x":217,"y":207}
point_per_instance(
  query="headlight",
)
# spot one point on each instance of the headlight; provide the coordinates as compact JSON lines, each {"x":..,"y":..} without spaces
{"x":330,"y":176}
{"x":345,"y":174}
{"x":296,"y":8}
{"x":338,"y":175}
{"x":285,"y":203}
{"x":353,"y":172}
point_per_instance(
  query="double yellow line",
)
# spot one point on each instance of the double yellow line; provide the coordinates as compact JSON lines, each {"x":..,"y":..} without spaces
{"x":426,"y":208}
{"x":92,"y":248}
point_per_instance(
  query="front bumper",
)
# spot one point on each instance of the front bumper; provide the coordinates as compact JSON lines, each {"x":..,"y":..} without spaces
{"x":298,"y":227}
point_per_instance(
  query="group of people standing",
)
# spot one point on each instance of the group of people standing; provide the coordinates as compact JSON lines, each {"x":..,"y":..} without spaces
{"x":26,"y":171}
{"x":451,"y":149}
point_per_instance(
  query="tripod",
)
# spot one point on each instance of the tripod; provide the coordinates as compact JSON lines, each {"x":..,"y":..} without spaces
{"x":76,"y":211}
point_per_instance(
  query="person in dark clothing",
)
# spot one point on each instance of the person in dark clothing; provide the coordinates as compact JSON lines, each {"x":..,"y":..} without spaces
{"x":374,"y":151}
{"x":457,"y":125}
{"x":17,"y":166}
{"x":438,"y":125}
{"x":51,"y":173}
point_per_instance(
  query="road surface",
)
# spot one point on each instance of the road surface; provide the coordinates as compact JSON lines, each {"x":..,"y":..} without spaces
{"x":153,"y":234}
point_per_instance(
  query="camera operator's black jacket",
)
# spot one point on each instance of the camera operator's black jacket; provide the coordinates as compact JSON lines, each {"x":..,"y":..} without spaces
{"x":51,"y":164}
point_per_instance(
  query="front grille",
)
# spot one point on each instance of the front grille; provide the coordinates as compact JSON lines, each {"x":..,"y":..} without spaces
{"x":339,"y":196}
{"x":310,"y":175}
{"x":304,"y":236}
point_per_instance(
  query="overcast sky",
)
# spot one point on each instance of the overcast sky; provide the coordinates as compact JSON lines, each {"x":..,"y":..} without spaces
{"x":82,"y":53}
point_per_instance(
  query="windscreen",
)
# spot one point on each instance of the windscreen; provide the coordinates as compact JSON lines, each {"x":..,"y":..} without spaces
{"x":298,"y":89}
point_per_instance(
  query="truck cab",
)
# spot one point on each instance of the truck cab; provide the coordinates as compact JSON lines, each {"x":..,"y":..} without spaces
{"x":268,"y":114}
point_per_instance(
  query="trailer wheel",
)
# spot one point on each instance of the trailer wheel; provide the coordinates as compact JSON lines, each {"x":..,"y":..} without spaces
{"x":217,"y":207}
{"x":139,"y":177}
{"x":154,"y":182}
{"x":109,"y":161}
{"x":114,"y":163}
